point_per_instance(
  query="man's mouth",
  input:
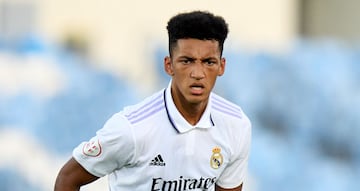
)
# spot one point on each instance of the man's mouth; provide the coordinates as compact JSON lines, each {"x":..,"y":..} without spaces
{"x":197,"y":89}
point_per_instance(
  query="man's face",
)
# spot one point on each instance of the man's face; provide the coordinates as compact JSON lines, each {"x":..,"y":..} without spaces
{"x":194,"y":67}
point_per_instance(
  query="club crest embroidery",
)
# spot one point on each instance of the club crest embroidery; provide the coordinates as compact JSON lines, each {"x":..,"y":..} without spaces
{"x":216,"y":159}
{"x":92,"y":148}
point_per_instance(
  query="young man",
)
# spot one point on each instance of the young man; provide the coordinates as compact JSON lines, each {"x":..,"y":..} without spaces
{"x":182,"y":138}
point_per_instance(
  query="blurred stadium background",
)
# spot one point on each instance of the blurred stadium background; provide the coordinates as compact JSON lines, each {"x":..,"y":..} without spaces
{"x":293,"y":65}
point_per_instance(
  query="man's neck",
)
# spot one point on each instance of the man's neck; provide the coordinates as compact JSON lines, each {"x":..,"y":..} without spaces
{"x":191,"y":112}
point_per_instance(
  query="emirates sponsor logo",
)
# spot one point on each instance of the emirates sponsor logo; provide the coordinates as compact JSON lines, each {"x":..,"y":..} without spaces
{"x":159,"y":184}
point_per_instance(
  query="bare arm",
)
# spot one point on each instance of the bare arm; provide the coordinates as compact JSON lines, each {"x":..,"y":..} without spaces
{"x":217,"y":188}
{"x":72,"y":176}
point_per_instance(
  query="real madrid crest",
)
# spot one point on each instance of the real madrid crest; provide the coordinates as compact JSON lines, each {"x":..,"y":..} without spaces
{"x":216,"y":159}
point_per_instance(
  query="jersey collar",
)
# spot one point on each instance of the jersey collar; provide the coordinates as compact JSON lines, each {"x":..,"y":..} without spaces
{"x":178,"y":121}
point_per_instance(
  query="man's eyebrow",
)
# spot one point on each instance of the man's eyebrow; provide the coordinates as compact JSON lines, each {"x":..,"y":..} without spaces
{"x":186,"y":57}
{"x":208,"y":59}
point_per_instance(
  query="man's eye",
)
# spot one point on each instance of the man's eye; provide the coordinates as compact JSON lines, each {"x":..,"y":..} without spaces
{"x":185,"y":61}
{"x":210,"y":63}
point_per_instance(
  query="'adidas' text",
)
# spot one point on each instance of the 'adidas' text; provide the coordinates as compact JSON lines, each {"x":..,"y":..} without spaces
{"x":157,"y":161}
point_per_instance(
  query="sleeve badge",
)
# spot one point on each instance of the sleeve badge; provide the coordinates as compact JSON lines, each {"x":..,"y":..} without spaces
{"x":92,"y":148}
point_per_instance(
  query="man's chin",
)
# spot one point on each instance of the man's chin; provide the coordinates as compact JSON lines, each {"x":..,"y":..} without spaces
{"x":196,"y":99}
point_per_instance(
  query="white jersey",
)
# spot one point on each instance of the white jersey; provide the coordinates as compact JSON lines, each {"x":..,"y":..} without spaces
{"x":151,"y":147}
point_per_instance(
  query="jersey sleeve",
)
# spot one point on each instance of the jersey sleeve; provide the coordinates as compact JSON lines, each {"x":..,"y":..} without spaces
{"x":112,"y":148}
{"x":235,"y":172}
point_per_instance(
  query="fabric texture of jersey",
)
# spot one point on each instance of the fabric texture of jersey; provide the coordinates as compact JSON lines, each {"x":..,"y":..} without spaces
{"x":150,"y":146}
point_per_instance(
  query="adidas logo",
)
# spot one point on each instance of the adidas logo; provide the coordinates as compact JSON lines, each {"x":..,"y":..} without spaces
{"x":157,"y":161}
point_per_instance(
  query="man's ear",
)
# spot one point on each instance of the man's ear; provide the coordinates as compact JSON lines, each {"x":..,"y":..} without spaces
{"x":222,"y":66}
{"x":168,"y":66}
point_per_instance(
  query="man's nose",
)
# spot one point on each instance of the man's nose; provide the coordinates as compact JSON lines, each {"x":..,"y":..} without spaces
{"x":197,"y":71}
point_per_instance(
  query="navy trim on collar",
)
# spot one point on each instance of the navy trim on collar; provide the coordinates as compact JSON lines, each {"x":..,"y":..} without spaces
{"x":168,"y":114}
{"x":172,"y":122}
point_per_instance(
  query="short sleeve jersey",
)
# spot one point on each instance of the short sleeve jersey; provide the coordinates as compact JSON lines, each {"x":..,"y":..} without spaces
{"x":150,"y":146}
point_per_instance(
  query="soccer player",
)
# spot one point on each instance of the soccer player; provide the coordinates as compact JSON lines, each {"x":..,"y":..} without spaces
{"x":184,"y":137}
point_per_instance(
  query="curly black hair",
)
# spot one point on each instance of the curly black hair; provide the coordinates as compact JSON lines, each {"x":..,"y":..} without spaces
{"x":201,"y":25}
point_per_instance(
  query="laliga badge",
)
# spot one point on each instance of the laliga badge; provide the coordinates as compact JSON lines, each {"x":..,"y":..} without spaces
{"x":92,"y":148}
{"x":216,"y":159}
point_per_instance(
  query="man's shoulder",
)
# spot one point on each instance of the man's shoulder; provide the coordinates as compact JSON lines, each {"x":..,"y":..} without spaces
{"x":148,"y":105}
{"x":226,"y":107}
{"x":229,"y":114}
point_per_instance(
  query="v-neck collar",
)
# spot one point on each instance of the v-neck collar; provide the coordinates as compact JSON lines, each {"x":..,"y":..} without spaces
{"x":178,"y":121}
